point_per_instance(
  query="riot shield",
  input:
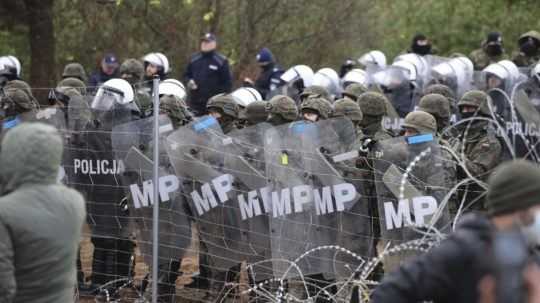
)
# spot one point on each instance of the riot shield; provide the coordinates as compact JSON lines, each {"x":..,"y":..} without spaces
{"x":197,"y":153}
{"x":244,"y":160}
{"x":133,"y":144}
{"x":307,"y":193}
{"x":411,"y":189}
{"x":524,"y":129}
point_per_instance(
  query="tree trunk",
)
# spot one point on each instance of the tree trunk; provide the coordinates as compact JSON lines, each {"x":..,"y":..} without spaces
{"x":42,"y":46}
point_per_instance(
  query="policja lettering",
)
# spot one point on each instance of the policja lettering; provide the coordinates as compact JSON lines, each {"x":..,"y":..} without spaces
{"x":98,"y":167}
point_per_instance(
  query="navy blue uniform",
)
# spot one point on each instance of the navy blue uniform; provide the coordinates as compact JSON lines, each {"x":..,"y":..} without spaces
{"x":268,"y":79}
{"x":211,"y":73}
{"x":98,"y":78}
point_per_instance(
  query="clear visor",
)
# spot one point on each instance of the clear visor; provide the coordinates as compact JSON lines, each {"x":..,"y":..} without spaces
{"x":391,"y":77}
{"x":105,"y":99}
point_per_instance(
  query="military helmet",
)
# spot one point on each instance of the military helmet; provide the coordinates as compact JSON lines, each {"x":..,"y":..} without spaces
{"x":318,"y":104}
{"x":73,"y":83}
{"x":256,"y":111}
{"x":348,"y":108}
{"x":19,"y":84}
{"x":441,"y":89}
{"x":225,"y":103}
{"x":132,"y":67}
{"x":175,"y":108}
{"x":435,"y":104}
{"x":420,"y":121}
{"x":283,"y":106}
{"x":315,"y":90}
{"x":354,"y":90}
{"x":372,"y":103}
{"x":478,"y":99}
{"x":74,"y":70}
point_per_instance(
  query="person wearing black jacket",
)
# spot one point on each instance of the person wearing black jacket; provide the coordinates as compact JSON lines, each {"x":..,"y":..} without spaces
{"x":207,"y":75}
{"x":269,"y":78}
{"x":451,"y":271}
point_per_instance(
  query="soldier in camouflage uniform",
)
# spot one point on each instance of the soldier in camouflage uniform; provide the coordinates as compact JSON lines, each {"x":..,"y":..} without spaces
{"x":477,"y":144}
{"x":529,"y":49}
{"x":73,"y":83}
{"x":439,"y":107}
{"x":75,"y":70}
{"x":354,"y":90}
{"x":281,"y":109}
{"x":17,"y":99}
{"x":256,"y":112}
{"x":225,"y":110}
{"x":373,"y":107}
{"x":176,"y":109}
{"x":447,"y":92}
{"x":315,"y":90}
{"x":132,"y":70}
{"x":492,"y":51}
{"x":315,"y":108}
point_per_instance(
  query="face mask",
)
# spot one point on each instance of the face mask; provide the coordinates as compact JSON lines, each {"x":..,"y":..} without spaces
{"x":494,"y":50}
{"x":532,"y":231}
{"x":467,"y":115}
{"x":421,"y":49}
{"x":529,"y":48}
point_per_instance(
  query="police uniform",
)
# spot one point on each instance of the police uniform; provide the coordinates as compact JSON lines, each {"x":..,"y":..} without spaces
{"x":211,"y":73}
{"x":269,"y":79}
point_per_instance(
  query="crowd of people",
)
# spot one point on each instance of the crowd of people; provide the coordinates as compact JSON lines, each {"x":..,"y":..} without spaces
{"x":426,"y":128}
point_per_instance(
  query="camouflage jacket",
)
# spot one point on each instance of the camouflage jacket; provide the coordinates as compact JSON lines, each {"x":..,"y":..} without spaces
{"x":481,"y":60}
{"x":522,"y":60}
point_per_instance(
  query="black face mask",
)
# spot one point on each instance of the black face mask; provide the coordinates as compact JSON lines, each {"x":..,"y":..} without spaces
{"x":467,"y":115}
{"x":421,"y":49}
{"x":529,"y":48}
{"x":494,"y":50}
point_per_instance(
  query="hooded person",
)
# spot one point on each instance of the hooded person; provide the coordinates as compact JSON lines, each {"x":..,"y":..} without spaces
{"x":492,"y":51}
{"x":40,"y":219}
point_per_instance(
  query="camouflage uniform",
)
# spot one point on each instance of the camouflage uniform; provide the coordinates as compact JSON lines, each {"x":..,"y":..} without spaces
{"x":479,"y":145}
{"x":315,"y":90}
{"x":520,"y":58}
{"x":354,"y":90}
{"x":132,"y":70}
{"x":438,"y":106}
{"x":227,"y":107}
{"x":256,"y":112}
{"x":73,"y":83}
{"x":481,"y":58}
{"x":75,"y":70}
{"x":176,"y":110}
{"x":281,"y":109}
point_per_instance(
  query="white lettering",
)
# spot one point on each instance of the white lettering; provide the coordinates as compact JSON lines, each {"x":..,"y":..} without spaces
{"x":395,"y":220}
{"x":344,"y":193}
{"x":281,"y":205}
{"x":252,"y":207}
{"x":423,"y":207}
{"x":323,"y":205}
{"x":207,"y":201}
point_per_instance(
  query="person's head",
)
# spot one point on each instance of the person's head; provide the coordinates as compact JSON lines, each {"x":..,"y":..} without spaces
{"x":156,"y":64}
{"x":73,"y":83}
{"x":208,"y":43}
{"x":315,"y":108}
{"x":223,"y":108}
{"x":529,"y":43}
{"x":132,"y":70}
{"x":31,"y":154}
{"x":109,"y":64}
{"x":354,"y":90}
{"x":473,"y":103}
{"x":373,"y":106}
{"x":348,"y":108}
{"x":315,"y":90}
{"x":438,"y":106}
{"x":421,"y":45}
{"x":419,"y":122}
{"x":74,"y":70}
{"x":281,"y":109}
{"x":441,"y":89}
{"x":513,"y":197}
{"x":264,"y":57}
{"x":17,"y":99}
{"x":493,"y":44}
{"x":256,"y":112}
{"x":175,"y":108}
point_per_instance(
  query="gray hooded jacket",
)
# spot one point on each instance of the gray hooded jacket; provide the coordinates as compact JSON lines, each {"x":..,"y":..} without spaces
{"x":40,"y":219}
